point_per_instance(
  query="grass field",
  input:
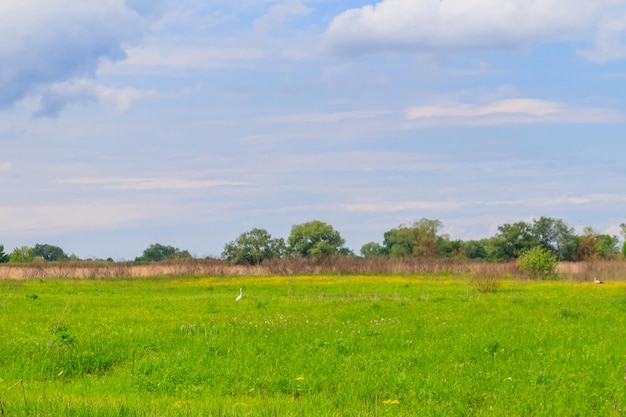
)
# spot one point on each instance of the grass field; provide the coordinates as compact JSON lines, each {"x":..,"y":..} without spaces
{"x":311,"y":346}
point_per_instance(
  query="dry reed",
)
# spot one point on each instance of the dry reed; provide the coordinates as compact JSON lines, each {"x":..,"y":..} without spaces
{"x":578,"y":271}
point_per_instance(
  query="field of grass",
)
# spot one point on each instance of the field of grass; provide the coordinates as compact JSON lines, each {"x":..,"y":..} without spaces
{"x":325,"y":345}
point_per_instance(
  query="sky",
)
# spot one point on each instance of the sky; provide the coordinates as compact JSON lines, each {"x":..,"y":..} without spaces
{"x":187,"y":123}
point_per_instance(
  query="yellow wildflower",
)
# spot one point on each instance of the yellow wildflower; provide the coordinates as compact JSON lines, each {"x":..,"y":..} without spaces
{"x":300,"y":378}
{"x":389,"y":402}
{"x":180,"y":403}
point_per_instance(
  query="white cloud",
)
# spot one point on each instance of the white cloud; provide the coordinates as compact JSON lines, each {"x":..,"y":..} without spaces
{"x":506,"y":111}
{"x":450,"y":25}
{"x":60,"y":41}
{"x":609,"y":41}
{"x":539,"y":108}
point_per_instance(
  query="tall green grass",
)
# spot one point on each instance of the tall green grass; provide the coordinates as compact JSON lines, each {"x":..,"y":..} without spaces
{"x":311,"y":346}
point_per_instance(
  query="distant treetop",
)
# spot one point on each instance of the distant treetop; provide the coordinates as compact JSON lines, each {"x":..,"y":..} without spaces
{"x":157,"y":252}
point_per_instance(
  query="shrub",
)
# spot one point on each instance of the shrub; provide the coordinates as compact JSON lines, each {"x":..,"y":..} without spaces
{"x":538,"y":263}
{"x":487,"y":282}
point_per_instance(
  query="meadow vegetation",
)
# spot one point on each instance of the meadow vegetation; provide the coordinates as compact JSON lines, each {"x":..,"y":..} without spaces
{"x":311,"y":345}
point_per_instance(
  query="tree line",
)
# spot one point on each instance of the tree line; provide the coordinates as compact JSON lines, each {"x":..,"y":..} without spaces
{"x":422,"y":238}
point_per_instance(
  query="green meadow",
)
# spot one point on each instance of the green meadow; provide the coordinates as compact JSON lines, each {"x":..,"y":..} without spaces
{"x":324,"y":345}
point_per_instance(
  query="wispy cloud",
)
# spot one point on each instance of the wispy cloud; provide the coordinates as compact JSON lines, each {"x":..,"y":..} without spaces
{"x":122,"y":99}
{"x":538,"y":108}
{"x":279,"y":13}
{"x":614,"y":75}
{"x":455,"y":113}
{"x":55,"y":97}
{"x":507,"y":111}
{"x":597,"y":199}
{"x":94,"y":215}
{"x":404,"y":206}
{"x":110,"y":183}
{"x":325,"y":117}
{"x":151,"y":59}
{"x":446,"y":206}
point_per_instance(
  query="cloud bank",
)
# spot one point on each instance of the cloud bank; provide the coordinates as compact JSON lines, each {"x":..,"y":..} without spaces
{"x":452,"y":25}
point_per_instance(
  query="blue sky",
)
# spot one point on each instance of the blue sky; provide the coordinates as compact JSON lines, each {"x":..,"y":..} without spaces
{"x":187,"y":123}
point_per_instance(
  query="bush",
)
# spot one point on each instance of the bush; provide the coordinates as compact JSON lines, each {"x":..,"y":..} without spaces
{"x":22,"y":255}
{"x":538,"y":263}
{"x":487,"y":283}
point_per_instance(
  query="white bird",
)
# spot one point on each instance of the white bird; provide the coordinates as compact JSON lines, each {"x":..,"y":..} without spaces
{"x":597,"y":281}
{"x":240,"y":295}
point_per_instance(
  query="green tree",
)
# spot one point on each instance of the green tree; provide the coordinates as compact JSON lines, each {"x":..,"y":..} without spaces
{"x":416,"y":239}
{"x":22,"y":254}
{"x":253,"y":247}
{"x":449,"y":248}
{"x":157,"y":252}
{"x":49,"y":252}
{"x":476,"y":249}
{"x":3,"y":256}
{"x":556,"y":236}
{"x":586,"y":248}
{"x":512,"y":240}
{"x":538,"y":263}
{"x":592,"y":245}
{"x":426,"y":240}
{"x":315,"y":238}
{"x":370,"y":249}
{"x":606,"y":245}
{"x":623,"y":232}
{"x":400,"y":241}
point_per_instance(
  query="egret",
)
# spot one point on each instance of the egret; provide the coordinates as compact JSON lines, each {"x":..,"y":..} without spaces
{"x":240,"y":295}
{"x":597,"y":281}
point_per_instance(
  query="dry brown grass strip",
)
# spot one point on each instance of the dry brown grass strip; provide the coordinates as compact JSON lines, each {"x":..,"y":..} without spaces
{"x":579,"y":271}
